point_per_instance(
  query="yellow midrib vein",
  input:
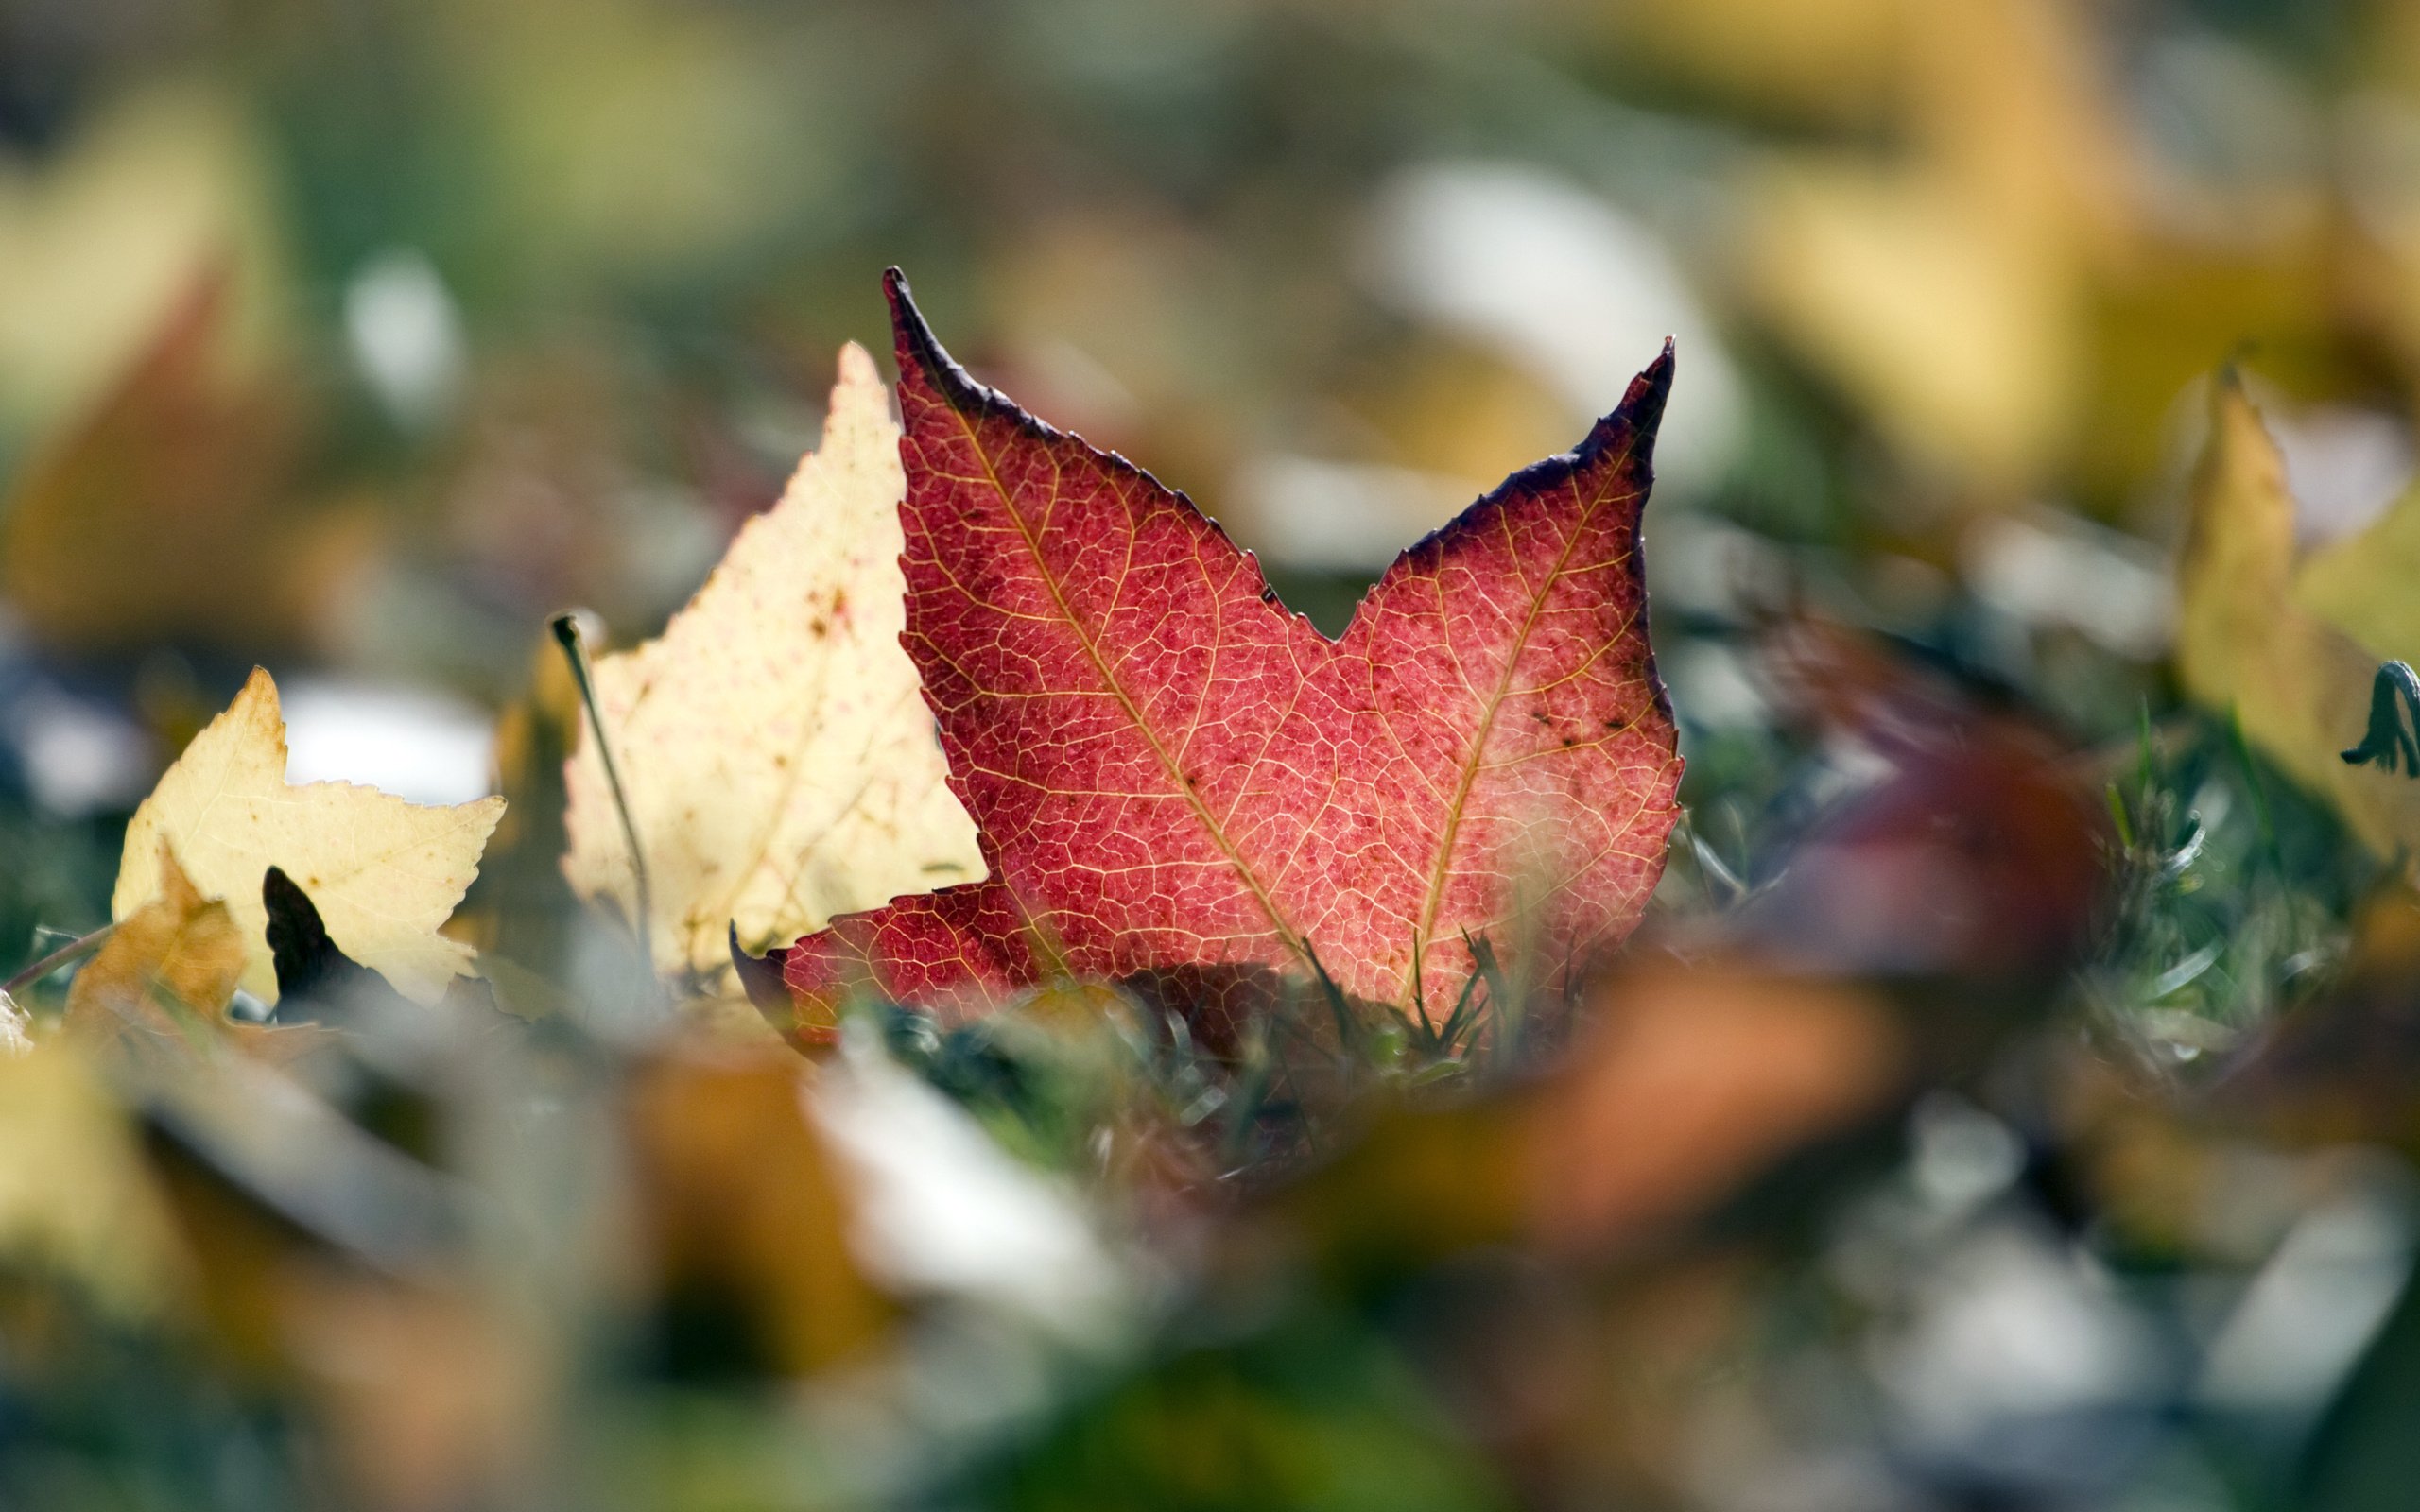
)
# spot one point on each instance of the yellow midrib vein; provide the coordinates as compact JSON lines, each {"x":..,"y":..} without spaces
{"x":1125,"y":700}
{"x":1471,"y":762}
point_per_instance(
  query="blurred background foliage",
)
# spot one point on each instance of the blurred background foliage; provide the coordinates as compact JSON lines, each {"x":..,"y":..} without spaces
{"x":1949,"y":1141}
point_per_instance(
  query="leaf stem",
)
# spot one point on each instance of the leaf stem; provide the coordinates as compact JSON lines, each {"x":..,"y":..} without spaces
{"x":566,"y":628}
{"x":75,"y":948}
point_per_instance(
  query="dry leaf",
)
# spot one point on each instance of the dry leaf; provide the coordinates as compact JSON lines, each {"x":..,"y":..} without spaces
{"x":99,"y":240}
{"x":1946,"y":290}
{"x":385,"y":873}
{"x":521,"y":908}
{"x":1826,"y":60}
{"x":780,"y":765}
{"x":163,"y":977}
{"x":2362,"y":583}
{"x":74,"y":1197}
{"x":428,"y":1397}
{"x":738,"y":1200}
{"x":2300,"y":687}
{"x":167,"y":510}
{"x":1973,"y":852}
{"x":1962,"y":343}
{"x":155,"y":996}
{"x":1692,"y":1081}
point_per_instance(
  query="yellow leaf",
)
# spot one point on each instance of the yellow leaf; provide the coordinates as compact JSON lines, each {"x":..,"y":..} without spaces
{"x":2362,"y":583}
{"x":1947,"y":287}
{"x":1962,"y":341}
{"x":74,"y":1197}
{"x":2299,"y":686}
{"x":384,"y":873}
{"x":98,"y":241}
{"x":165,"y":974}
{"x":780,"y":764}
{"x":1830,"y":60}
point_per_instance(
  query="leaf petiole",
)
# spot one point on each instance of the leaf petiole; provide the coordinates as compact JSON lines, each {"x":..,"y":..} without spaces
{"x":75,"y":949}
{"x":566,"y":628}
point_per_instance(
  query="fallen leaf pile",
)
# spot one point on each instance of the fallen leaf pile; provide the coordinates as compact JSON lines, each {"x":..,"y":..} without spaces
{"x":975,"y":707}
{"x":977,"y":989}
{"x":1172,"y":773}
{"x":1175,"y":779}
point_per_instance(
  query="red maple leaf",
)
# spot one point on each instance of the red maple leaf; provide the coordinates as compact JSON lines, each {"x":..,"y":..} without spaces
{"x":1174,"y":774}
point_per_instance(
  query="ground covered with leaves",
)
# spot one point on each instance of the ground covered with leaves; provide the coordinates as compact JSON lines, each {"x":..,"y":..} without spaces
{"x":1287,"y":1112}
{"x":1817,"y":918}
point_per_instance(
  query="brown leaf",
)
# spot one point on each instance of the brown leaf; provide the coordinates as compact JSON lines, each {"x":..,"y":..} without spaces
{"x":1693,"y":1082}
{"x":1977,"y":855}
{"x":430,"y":1399}
{"x":155,"y":993}
{"x":741,"y":1208}
{"x":163,"y":513}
